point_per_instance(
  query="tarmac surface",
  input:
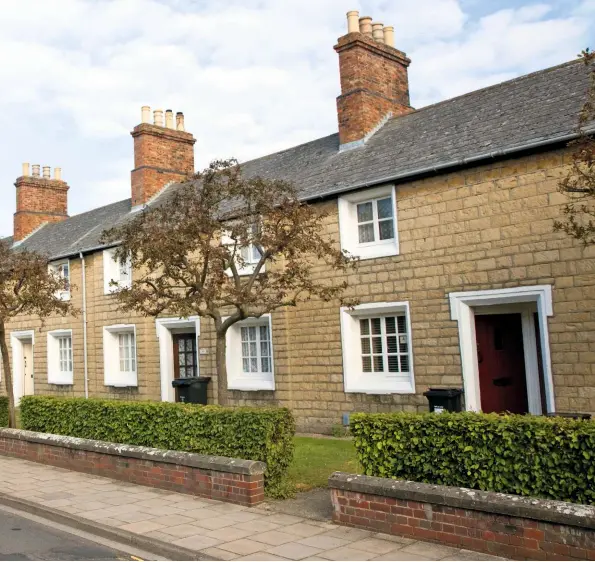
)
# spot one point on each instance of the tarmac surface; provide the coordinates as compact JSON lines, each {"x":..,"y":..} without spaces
{"x":24,"y":539}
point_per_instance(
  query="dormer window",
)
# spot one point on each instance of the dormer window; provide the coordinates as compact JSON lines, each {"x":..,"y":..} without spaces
{"x":368,"y":223}
{"x":61,"y":270}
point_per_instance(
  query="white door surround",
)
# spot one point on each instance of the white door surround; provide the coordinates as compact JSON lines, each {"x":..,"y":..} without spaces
{"x":463,"y":307}
{"x":17,"y":339}
{"x":165,"y":328}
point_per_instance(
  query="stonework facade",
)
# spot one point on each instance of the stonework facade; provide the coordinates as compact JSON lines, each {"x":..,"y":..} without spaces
{"x":487,"y":227}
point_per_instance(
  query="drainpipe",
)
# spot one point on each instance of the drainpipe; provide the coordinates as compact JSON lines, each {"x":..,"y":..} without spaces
{"x":85,"y":325}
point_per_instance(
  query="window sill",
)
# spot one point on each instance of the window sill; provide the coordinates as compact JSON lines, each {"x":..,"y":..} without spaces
{"x":250,"y":385}
{"x":375,"y":251}
{"x":60,"y":383}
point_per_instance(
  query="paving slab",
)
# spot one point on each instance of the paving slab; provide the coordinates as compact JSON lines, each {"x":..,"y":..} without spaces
{"x":208,"y":528}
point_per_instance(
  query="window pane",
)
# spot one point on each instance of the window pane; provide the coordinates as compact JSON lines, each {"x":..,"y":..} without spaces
{"x":264,"y":332}
{"x":393,"y":364}
{"x":182,"y":357}
{"x":264,"y":348}
{"x":365,"y":212}
{"x":367,"y":364}
{"x":364,"y":326}
{"x":366,"y":345}
{"x":254,"y":365}
{"x":402,"y":324}
{"x":376,"y":345}
{"x":376,"y":325}
{"x":245,"y":349}
{"x":253,"y":349}
{"x":403,"y":344}
{"x":390,"y":325}
{"x":190,"y":359}
{"x":246,"y":365}
{"x":405,"y":363}
{"x":385,"y":208}
{"x":366,"y":233}
{"x":386,"y":229}
{"x":244,"y":334}
{"x":252,"y":333}
{"x":391,"y":344}
{"x":378,"y":363}
{"x":266,"y":365}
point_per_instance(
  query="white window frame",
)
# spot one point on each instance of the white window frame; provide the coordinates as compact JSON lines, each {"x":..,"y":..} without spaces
{"x":112,"y":375}
{"x":112,"y":271}
{"x":55,"y":268}
{"x":348,"y":224}
{"x":236,"y":378}
{"x":354,"y":378}
{"x":55,"y":374}
{"x":249,"y":266}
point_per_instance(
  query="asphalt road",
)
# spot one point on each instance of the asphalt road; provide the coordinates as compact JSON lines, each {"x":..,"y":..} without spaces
{"x":24,"y":539}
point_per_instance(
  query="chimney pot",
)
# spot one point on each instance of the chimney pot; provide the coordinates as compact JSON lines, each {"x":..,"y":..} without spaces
{"x":35,"y":173}
{"x":389,"y":36}
{"x":25,"y":169}
{"x":158,"y":117}
{"x":46,"y":172}
{"x":169,"y":119}
{"x":377,"y":32}
{"x":365,"y":25}
{"x":145,"y":111}
{"x":180,"y":121}
{"x":57,"y":173}
{"x":353,"y":21}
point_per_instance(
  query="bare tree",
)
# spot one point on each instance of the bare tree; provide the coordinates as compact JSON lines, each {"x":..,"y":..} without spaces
{"x":26,"y":287}
{"x":228,"y":248}
{"x":579,"y":183}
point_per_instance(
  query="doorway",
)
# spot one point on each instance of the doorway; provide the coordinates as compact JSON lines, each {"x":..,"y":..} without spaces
{"x":28,"y":372}
{"x":178,"y":352}
{"x":533,"y":304}
{"x":23,"y":365}
{"x":501,"y":363}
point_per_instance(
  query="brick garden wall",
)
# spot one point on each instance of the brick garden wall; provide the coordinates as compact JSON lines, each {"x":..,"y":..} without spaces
{"x":221,"y":478}
{"x":499,"y":524}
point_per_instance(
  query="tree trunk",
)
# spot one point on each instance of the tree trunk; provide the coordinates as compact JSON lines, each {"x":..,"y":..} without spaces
{"x":7,"y":376}
{"x":220,"y":353}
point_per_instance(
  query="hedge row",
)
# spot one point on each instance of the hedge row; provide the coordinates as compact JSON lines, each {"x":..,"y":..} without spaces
{"x":263,"y":434}
{"x":525,"y":455}
{"x":3,"y":411}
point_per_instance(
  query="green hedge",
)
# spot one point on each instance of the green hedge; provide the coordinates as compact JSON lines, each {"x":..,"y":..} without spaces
{"x":3,"y":411}
{"x":263,"y":434}
{"x":526,"y":455}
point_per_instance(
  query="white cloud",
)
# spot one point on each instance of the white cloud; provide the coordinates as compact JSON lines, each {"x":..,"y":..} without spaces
{"x":252,"y":76}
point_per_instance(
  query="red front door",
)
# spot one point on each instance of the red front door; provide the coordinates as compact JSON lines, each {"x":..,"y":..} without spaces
{"x":501,"y":359}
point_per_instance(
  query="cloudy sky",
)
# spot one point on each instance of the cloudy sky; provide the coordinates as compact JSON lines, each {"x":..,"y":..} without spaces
{"x":251,"y":76}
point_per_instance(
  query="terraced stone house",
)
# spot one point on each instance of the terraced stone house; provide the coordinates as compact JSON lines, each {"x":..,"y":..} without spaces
{"x":462,"y":281}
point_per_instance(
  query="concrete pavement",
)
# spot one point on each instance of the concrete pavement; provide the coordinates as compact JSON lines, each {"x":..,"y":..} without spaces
{"x":205,"y":529}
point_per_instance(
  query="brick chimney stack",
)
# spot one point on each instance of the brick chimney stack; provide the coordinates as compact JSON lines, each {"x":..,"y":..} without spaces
{"x":374,"y":83}
{"x":40,"y":199}
{"x":163,"y":152}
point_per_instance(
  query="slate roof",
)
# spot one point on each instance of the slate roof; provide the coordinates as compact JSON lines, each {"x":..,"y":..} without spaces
{"x":539,"y":108}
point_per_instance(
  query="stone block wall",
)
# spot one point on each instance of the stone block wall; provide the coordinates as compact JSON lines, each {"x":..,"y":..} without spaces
{"x":487,"y":227}
{"x":221,"y":478}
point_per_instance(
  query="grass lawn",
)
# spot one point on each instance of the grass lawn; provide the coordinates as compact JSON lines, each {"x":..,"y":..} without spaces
{"x":316,"y":459}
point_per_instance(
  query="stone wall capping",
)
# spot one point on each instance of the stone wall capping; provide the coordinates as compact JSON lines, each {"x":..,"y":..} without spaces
{"x":194,"y":460}
{"x":551,"y":511}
